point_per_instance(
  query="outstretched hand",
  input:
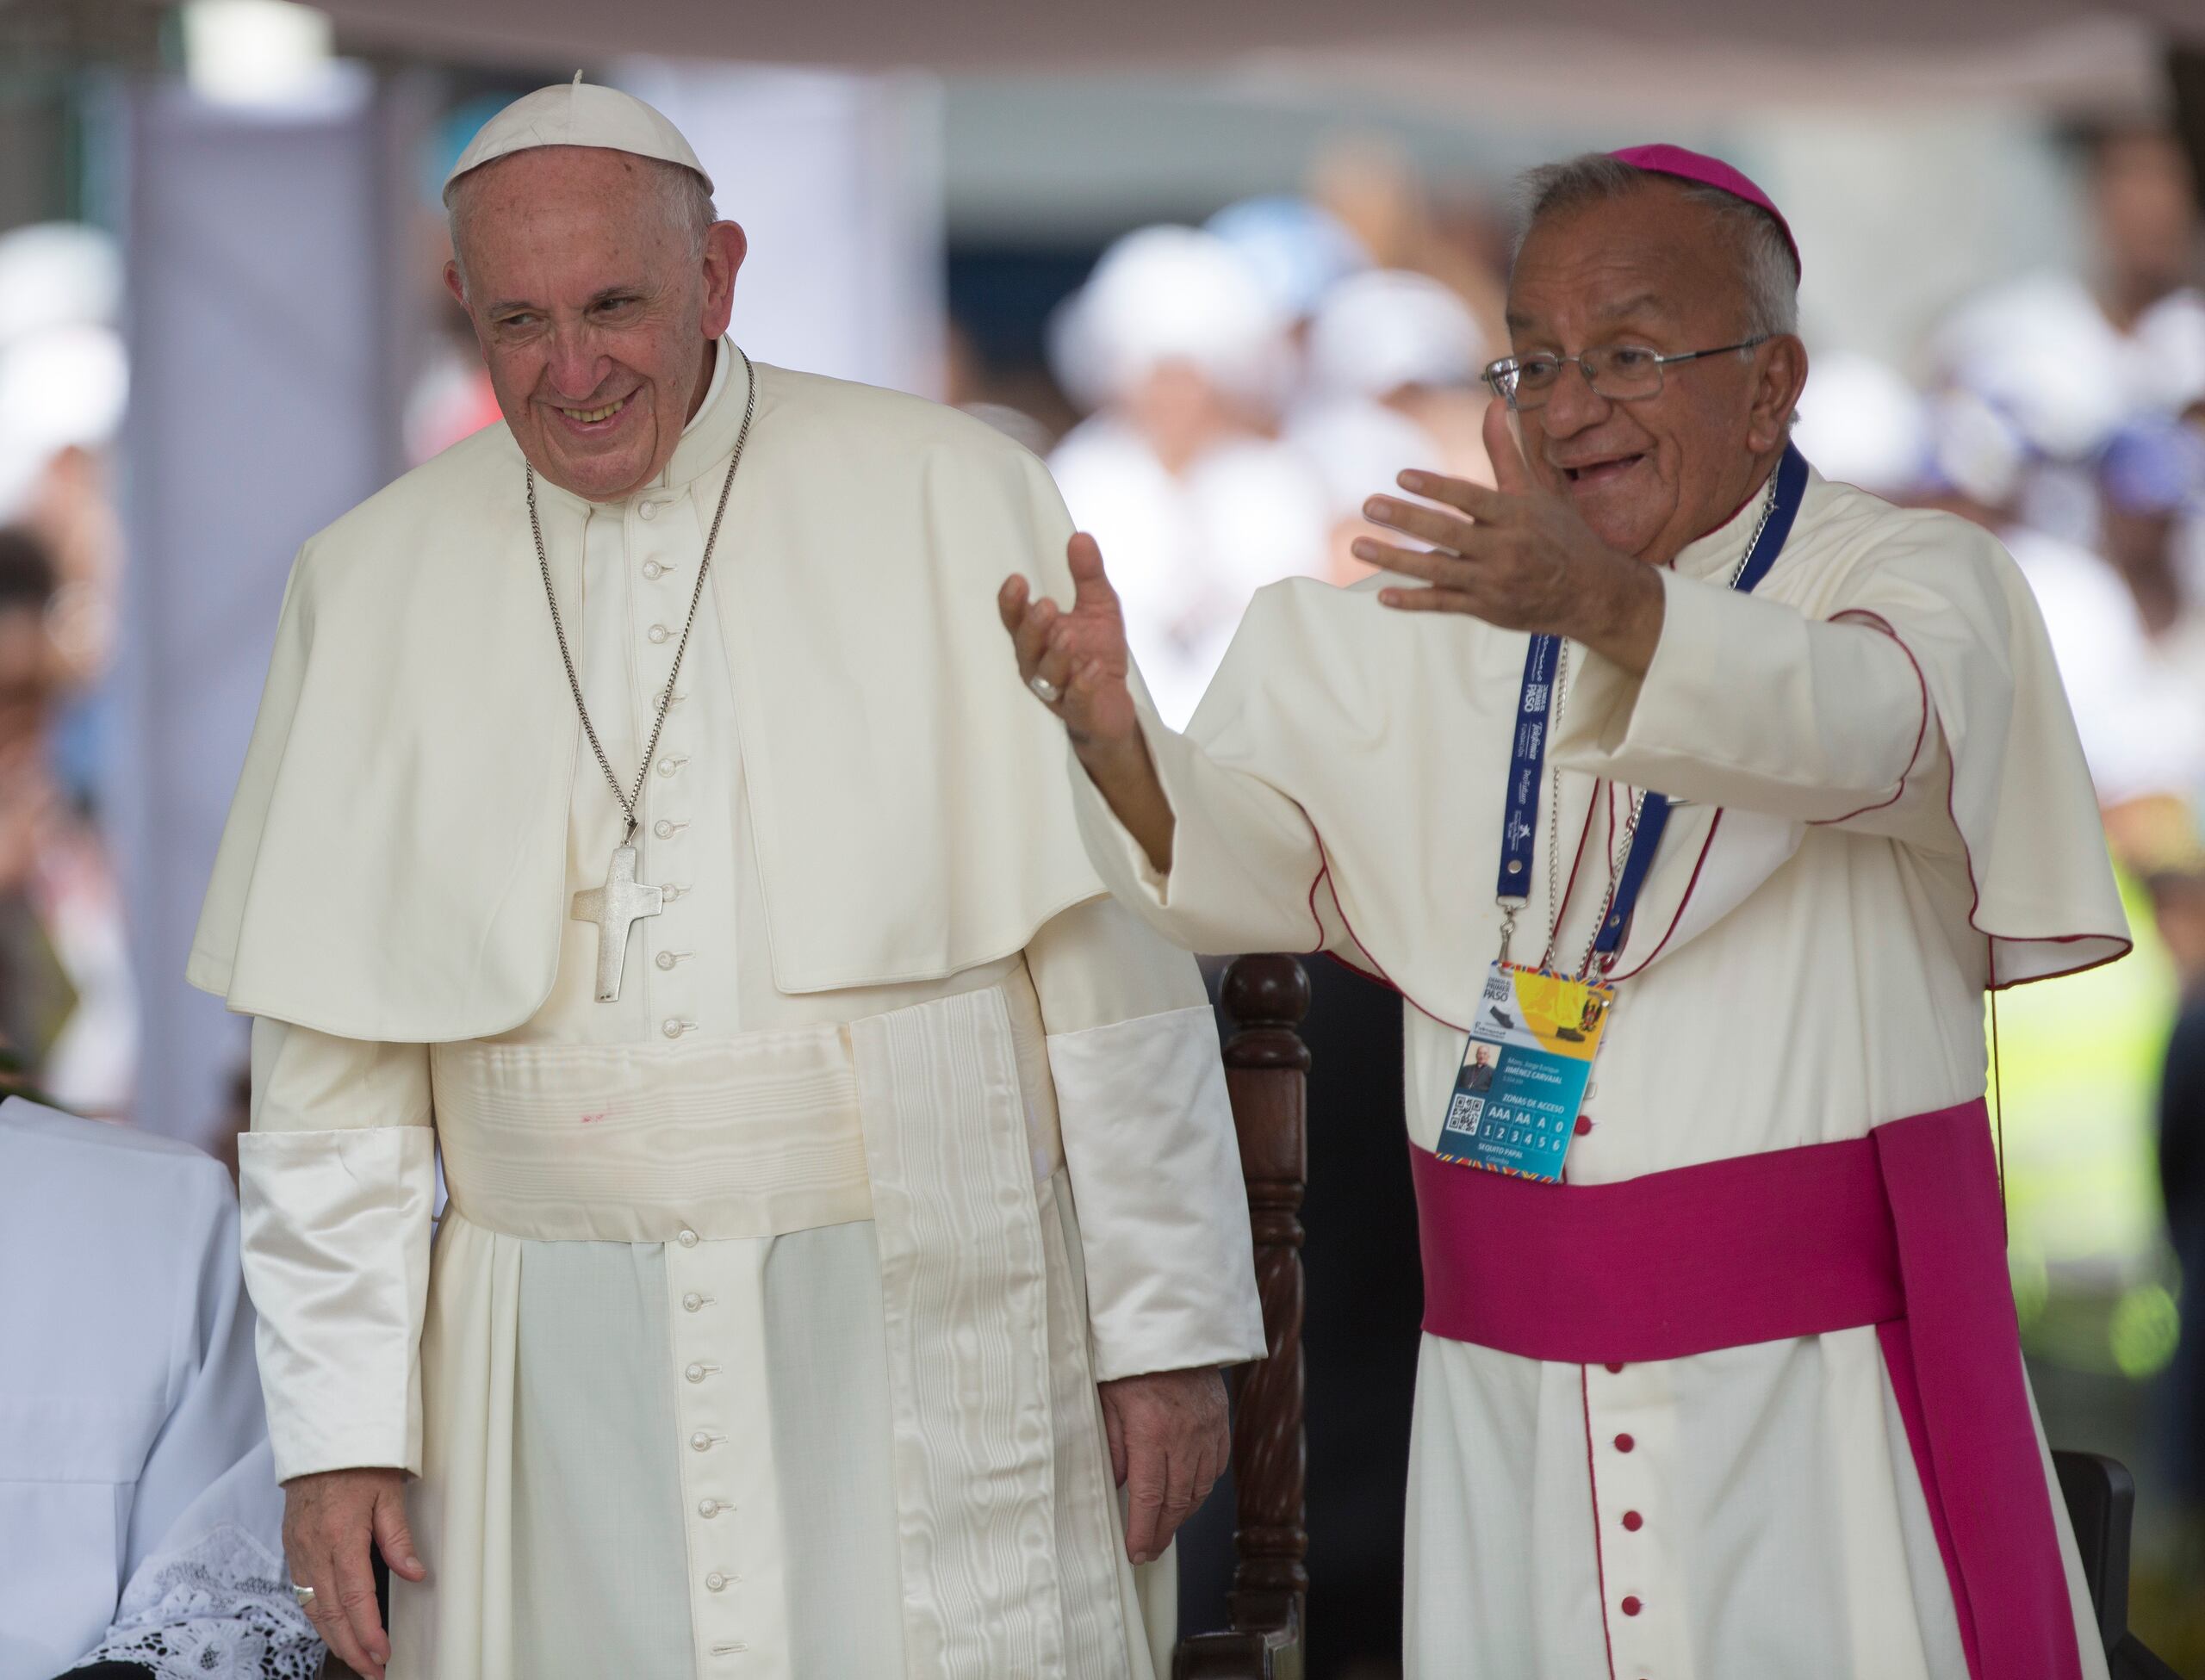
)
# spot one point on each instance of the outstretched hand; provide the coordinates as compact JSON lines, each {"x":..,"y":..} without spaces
{"x":1517,"y":555}
{"x":1076,"y":663}
{"x":1079,"y":655}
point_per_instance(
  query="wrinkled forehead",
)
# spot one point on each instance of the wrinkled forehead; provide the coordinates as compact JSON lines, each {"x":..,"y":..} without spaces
{"x":574,"y":207}
{"x":570,"y":185}
{"x":1650,"y":263}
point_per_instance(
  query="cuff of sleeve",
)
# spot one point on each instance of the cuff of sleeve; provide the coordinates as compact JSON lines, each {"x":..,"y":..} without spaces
{"x":1615,"y":723}
{"x":1748,"y":703}
{"x":335,"y":1228}
{"x":1120,"y":859}
{"x":1163,"y":1211}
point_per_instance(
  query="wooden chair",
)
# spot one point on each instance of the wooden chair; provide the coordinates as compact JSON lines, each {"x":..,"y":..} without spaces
{"x":1265,"y":998}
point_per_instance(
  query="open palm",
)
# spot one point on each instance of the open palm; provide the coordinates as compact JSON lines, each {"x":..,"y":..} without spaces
{"x":1077,"y":653}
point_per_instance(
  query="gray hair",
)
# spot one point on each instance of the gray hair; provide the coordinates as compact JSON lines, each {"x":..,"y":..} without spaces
{"x":1768,"y":272}
{"x":686,"y":201}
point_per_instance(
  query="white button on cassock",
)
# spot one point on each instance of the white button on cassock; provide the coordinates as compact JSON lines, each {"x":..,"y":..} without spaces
{"x":716,"y":1581}
{"x":667,"y":766}
{"x":695,"y":1373}
{"x":653,"y":570}
{"x":649,"y":510}
{"x":663,"y":829}
{"x":692,"y":1301}
{"x":701,"y":1442}
{"x":708,"y":1508}
{"x":666,"y":959}
{"x":675,"y":1029}
{"x":658,"y":633}
{"x":687,"y":1238}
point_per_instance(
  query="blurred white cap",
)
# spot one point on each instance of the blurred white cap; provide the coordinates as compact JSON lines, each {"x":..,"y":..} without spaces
{"x":1297,"y":252}
{"x":1862,"y":423}
{"x":1164,"y":294}
{"x":2040,"y":352}
{"x":1977,"y":448}
{"x":1390,"y":328}
{"x":62,"y":388}
{"x":57,"y":274}
{"x":577,"y":113}
{"x":1357,"y":446}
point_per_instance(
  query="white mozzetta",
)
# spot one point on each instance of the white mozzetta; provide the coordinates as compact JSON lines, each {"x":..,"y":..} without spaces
{"x":393,"y":869}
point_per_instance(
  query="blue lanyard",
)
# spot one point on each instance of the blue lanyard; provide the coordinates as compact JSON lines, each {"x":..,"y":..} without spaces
{"x":1527,"y":757}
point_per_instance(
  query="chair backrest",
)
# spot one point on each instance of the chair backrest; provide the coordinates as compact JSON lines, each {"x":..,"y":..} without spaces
{"x":2101,"y":1498}
{"x":1266,"y":1068}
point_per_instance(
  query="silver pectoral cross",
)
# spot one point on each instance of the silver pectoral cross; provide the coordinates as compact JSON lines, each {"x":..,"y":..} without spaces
{"x":616,"y":908}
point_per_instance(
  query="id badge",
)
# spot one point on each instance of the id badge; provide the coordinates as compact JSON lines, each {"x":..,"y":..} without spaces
{"x":1515,"y":1103}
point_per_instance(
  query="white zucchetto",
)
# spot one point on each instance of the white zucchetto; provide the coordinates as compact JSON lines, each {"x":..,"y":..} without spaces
{"x":577,"y":113}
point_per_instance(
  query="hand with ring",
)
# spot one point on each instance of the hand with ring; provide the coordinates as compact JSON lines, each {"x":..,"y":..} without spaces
{"x":1077,"y":663}
{"x":1075,"y":660}
{"x":331,"y":1520}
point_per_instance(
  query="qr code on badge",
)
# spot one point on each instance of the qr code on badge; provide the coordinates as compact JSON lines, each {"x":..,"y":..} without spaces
{"x":1465,"y":1112}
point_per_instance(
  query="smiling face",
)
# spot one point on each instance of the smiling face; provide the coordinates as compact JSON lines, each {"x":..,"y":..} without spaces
{"x":596,"y":303}
{"x":1650,"y":268}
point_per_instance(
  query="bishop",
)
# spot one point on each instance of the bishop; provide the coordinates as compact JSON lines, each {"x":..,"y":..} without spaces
{"x":1741,"y":1393}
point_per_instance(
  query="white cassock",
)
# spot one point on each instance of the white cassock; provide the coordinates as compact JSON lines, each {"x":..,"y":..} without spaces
{"x":761,"y":1334}
{"x":140,"y":1518}
{"x":1888,"y":811}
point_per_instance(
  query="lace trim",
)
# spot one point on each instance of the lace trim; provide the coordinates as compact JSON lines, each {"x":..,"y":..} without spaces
{"x":219,"y":1609}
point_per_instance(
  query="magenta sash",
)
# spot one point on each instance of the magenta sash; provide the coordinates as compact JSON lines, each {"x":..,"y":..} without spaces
{"x":1902,"y":1229}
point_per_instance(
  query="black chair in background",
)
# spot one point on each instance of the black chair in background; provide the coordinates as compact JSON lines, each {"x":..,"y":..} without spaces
{"x":2101,"y":1498}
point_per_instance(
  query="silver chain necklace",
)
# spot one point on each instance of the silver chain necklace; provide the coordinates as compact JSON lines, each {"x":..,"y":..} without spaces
{"x":617,"y":906}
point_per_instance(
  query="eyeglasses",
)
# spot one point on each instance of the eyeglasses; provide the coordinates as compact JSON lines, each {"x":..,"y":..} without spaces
{"x":1621,"y":373}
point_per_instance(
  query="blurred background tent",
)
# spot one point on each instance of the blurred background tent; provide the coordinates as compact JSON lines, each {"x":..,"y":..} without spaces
{"x":1229,"y":267}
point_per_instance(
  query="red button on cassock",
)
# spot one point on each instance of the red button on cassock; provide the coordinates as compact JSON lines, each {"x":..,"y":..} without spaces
{"x":1615,"y":1370}
{"x":1625,"y":1443}
{"x":1631,"y":1606}
{"x":1633,"y":1520}
{"x":1584,"y":1125}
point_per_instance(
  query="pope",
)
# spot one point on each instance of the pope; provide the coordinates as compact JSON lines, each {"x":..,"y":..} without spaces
{"x":844,"y":1201}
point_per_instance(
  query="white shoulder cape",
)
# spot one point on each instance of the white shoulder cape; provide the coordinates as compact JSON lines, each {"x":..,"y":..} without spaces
{"x":1340,"y":704}
{"x":392,"y":868}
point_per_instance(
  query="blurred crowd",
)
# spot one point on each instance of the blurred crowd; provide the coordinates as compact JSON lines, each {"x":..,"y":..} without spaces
{"x":68,"y":1006}
{"x":1242,"y":386}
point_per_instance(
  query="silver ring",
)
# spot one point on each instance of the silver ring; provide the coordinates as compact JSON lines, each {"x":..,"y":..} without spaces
{"x":304,"y":1595}
{"x":1049,"y":691}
